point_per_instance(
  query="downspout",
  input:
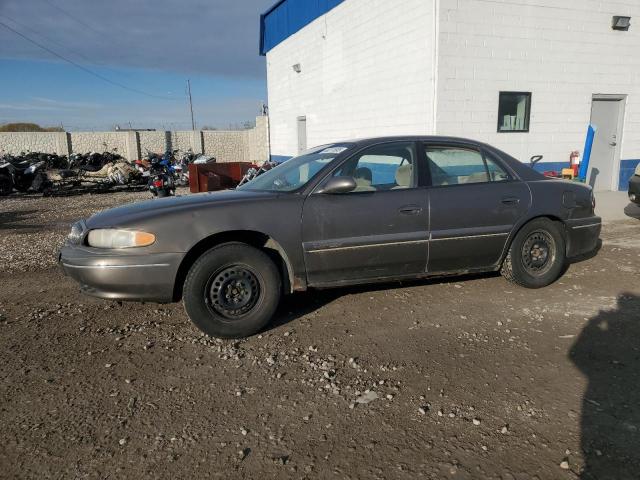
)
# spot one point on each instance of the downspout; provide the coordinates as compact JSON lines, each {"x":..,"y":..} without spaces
{"x":434,"y":66}
{"x":268,"y":113}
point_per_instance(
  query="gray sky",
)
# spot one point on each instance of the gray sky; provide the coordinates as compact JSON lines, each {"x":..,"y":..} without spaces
{"x":217,"y":37}
{"x":149,"y":46}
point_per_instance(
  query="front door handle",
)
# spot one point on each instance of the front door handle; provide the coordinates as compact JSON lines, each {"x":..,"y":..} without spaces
{"x":410,"y":210}
{"x":510,"y":200}
{"x":613,"y":144}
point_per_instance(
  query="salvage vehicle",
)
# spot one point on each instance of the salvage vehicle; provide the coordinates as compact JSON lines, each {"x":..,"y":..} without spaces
{"x":375,"y":210}
{"x":634,"y":186}
{"x":22,"y":175}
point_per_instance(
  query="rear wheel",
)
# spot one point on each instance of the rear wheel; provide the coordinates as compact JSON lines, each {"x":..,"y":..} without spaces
{"x":232,"y":291}
{"x":6,"y":184}
{"x":536,"y":257}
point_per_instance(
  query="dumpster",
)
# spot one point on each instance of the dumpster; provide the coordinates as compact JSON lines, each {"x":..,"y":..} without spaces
{"x":209,"y":177}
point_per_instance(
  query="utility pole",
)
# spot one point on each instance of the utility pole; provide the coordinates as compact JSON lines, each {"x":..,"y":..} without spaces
{"x":193,"y":122}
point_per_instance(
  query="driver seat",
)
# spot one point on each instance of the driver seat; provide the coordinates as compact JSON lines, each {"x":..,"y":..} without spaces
{"x":404,"y":174}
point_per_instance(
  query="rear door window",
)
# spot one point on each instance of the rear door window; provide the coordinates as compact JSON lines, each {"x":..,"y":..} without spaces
{"x":459,"y":165}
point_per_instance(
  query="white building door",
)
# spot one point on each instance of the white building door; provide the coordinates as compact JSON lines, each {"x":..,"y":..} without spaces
{"x":302,"y":134}
{"x":607,"y":114}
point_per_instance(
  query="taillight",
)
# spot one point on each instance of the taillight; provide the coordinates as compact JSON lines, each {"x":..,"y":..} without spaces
{"x":157,"y":183}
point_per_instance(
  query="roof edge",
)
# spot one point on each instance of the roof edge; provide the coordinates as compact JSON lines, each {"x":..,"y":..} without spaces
{"x":270,"y":37}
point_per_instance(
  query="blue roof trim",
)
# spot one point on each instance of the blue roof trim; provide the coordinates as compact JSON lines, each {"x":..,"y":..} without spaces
{"x":287,"y":17}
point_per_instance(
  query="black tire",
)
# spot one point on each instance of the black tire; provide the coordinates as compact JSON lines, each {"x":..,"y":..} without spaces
{"x":6,"y":185}
{"x":161,"y":193}
{"x":22,"y":187}
{"x":536,"y":257}
{"x":232,"y":291}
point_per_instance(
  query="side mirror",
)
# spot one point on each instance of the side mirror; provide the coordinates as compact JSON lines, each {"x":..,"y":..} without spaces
{"x":338,"y":185}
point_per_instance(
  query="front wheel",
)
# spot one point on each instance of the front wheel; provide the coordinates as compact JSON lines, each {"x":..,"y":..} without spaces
{"x":6,"y":185}
{"x":232,"y":291}
{"x":536,"y":257}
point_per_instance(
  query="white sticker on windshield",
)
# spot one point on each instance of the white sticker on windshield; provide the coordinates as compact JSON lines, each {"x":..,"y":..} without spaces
{"x":334,"y":150}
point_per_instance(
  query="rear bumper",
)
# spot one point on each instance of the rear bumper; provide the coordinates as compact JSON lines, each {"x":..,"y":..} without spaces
{"x":148,"y":278}
{"x":634,"y":189}
{"x":583,"y":236}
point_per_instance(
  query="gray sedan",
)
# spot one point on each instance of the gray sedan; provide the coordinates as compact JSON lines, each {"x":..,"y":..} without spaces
{"x":348,"y":213}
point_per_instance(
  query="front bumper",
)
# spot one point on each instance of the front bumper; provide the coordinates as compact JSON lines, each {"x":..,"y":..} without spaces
{"x":148,"y":278}
{"x":634,"y":189}
{"x":583,"y":236}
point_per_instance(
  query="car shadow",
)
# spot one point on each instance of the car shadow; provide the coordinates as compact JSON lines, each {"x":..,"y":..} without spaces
{"x":632,"y":210}
{"x":607,"y":352}
{"x":295,"y":306}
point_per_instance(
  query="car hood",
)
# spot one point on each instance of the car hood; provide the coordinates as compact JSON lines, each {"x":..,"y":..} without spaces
{"x":160,"y":206}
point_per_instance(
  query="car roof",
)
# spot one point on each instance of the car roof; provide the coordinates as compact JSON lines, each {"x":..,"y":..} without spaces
{"x":524,"y":171}
{"x":414,"y":138}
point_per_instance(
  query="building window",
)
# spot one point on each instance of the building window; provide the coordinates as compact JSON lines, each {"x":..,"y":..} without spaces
{"x":514,"y":110}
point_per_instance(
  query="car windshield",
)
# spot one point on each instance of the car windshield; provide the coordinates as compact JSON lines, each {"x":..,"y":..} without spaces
{"x":296,"y":172}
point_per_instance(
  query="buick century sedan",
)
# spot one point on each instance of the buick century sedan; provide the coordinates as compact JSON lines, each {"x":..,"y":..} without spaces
{"x":374,"y":210}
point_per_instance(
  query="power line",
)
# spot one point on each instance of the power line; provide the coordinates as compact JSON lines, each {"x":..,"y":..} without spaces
{"x":50,"y":40}
{"x":72,"y":17}
{"x":83,"y":68}
{"x":114,"y":39}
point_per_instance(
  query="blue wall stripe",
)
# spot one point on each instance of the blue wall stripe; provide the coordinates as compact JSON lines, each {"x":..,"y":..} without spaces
{"x":287,"y":17}
{"x":627,"y":168}
{"x":550,"y":166}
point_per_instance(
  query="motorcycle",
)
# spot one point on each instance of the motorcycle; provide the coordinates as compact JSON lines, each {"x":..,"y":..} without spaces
{"x":256,"y":171}
{"x":181,"y":167}
{"x":22,"y":175}
{"x":161,"y":176}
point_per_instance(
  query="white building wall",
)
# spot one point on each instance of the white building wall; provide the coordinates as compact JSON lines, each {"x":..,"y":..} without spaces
{"x":562,"y":52}
{"x":366,"y":70}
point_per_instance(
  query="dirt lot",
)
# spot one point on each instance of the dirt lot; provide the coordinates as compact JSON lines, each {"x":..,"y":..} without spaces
{"x":474,"y":377}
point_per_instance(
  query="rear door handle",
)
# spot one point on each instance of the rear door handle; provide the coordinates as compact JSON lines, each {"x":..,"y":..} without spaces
{"x":410,"y":210}
{"x":510,"y":200}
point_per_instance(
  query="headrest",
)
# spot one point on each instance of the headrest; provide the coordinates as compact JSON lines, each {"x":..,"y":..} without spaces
{"x":403,"y":175}
{"x":365,"y":173}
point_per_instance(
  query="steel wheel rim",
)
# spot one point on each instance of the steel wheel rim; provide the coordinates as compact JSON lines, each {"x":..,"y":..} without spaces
{"x":233,"y":291}
{"x":538,"y":253}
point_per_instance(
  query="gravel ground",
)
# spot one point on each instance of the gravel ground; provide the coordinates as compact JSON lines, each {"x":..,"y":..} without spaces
{"x":32,"y":228}
{"x":465,"y":378}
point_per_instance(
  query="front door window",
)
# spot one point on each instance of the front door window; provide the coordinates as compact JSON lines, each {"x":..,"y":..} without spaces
{"x":382,"y":167}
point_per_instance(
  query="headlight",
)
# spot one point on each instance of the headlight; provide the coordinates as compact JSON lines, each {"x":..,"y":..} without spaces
{"x":76,"y":233}
{"x":113,"y":238}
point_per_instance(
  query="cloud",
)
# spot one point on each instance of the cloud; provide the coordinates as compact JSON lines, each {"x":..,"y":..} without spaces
{"x":47,"y":104}
{"x":212,"y":37}
{"x":24,"y":107}
{"x":61,"y":104}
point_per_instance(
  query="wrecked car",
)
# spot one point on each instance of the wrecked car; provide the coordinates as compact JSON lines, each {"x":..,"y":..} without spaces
{"x":375,"y":210}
